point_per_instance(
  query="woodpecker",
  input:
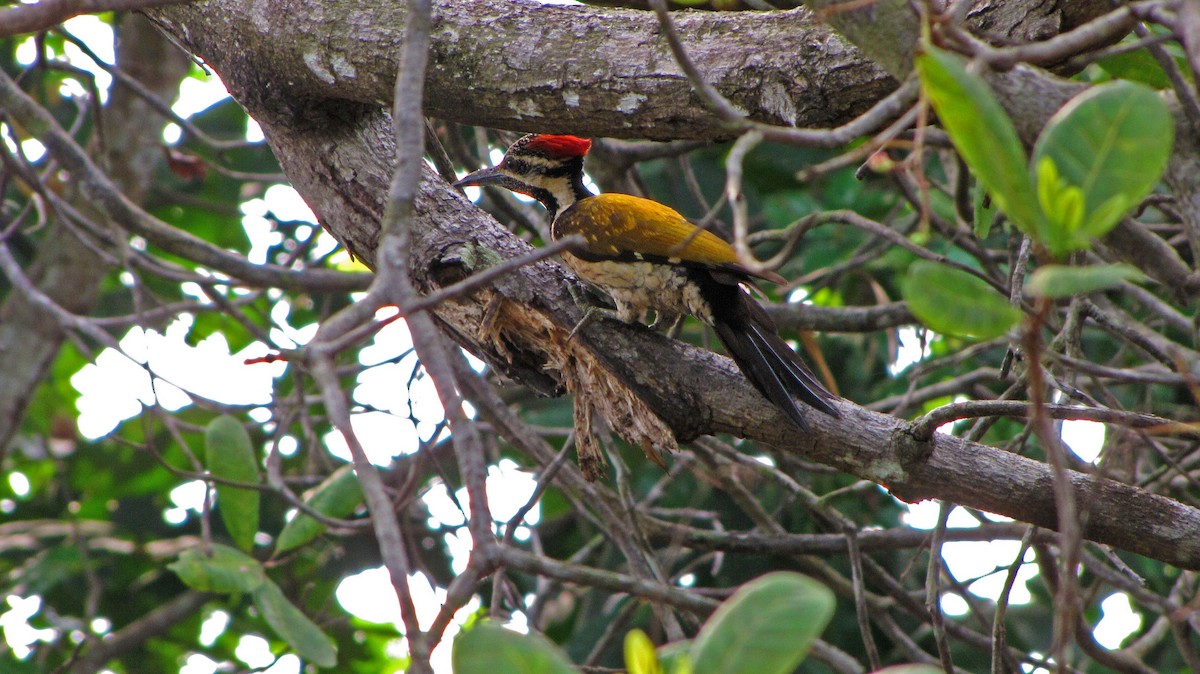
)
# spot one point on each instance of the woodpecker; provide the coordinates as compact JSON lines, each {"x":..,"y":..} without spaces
{"x":648,"y":257}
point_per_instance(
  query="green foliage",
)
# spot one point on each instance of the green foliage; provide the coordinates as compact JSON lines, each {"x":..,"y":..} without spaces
{"x":984,"y":213}
{"x":491,"y":649}
{"x":1096,"y":159}
{"x":337,"y":496}
{"x":89,"y":535}
{"x":223,"y":570}
{"x":953,"y":302}
{"x":639,"y":654}
{"x":294,"y":627}
{"x":1136,"y":66}
{"x":766,"y":627}
{"x":231,"y":456}
{"x":982,"y":133}
{"x":1057,"y":280}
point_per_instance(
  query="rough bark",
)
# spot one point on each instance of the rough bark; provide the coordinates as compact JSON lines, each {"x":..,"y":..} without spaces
{"x":493,"y":63}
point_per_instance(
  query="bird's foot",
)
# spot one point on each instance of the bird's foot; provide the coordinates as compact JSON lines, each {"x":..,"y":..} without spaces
{"x":590,"y":314}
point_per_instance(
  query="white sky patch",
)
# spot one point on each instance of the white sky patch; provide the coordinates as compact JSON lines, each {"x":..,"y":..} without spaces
{"x":969,"y":560}
{"x":1085,"y":438}
{"x":509,"y":488}
{"x":255,"y":651}
{"x":26,"y":52}
{"x":389,"y":343}
{"x":911,"y":350}
{"x":198,"y":663}
{"x":188,"y":496}
{"x":254,"y":132}
{"x":213,"y":627}
{"x":115,"y":387}
{"x":1118,"y":621}
{"x":798,"y":296}
{"x":94,"y":32}
{"x":390,"y":385}
{"x":196,"y":94}
{"x":954,"y":605}
{"x":383,"y":437}
{"x":19,"y":483}
{"x":284,"y":334}
{"x":287,"y":204}
{"x":199,"y":93}
{"x":32,"y":148}
{"x":98,"y":36}
{"x":18,"y":633}
{"x":370,"y":596}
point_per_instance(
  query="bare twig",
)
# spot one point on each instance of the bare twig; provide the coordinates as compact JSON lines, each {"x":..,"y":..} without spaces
{"x":29,"y":18}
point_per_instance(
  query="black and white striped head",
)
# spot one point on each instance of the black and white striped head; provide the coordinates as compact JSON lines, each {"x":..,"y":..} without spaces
{"x":545,"y":167}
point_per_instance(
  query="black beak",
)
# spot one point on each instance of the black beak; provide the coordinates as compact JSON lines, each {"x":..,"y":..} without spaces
{"x":486,"y":176}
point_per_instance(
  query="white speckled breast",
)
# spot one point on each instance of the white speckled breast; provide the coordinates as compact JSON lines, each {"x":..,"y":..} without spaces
{"x":639,"y":287}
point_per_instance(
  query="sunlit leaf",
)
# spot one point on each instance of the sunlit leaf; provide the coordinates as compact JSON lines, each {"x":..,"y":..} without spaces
{"x":492,"y":649}
{"x":231,"y":456}
{"x":1138,"y":66}
{"x":337,"y":496}
{"x":1057,"y":280}
{"x":953,"y":302}
{"x":290,"y":623}
{"x":1111,"y":143}
{"x":982,"y":133}
{"x":676,"y":657}
{"x":985,"y":213}
{"x":640,"y":657}
{"x":766,"y":627}
{"x":1061,"y":202}
{"x":227,"y":571}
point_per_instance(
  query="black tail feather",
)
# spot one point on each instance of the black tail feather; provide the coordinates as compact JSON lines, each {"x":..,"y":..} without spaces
{"x":751,"y":339}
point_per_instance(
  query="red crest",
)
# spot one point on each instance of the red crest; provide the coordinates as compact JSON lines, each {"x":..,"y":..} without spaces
{"x":559,"y":147}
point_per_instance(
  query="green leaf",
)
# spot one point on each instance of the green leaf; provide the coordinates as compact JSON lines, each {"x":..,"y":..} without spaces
{"x":985,"y":213}
{"x":302,"y":634}
{"x":1062,"y":203}
{"x":227,"y":571}
{"x":1111,"y":143}
{"x":1138,"y":66}
{"x":337,"y":496}
{"x":766,"y":627}
{"x":1058,"y":280}
{"x":491,"y":649}
{"x":676,"y":657}
{"x":640,"y":657}
{"x":953,"y":302}
{"x":910,"y":669}
{"x":231,"y":456}
{"x":982,"y":133}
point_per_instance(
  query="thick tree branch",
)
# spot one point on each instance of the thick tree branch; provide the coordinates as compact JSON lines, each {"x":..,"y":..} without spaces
{"x":615,"y":78}
{"x":341,"y":164}
{"x":696,"y":391}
